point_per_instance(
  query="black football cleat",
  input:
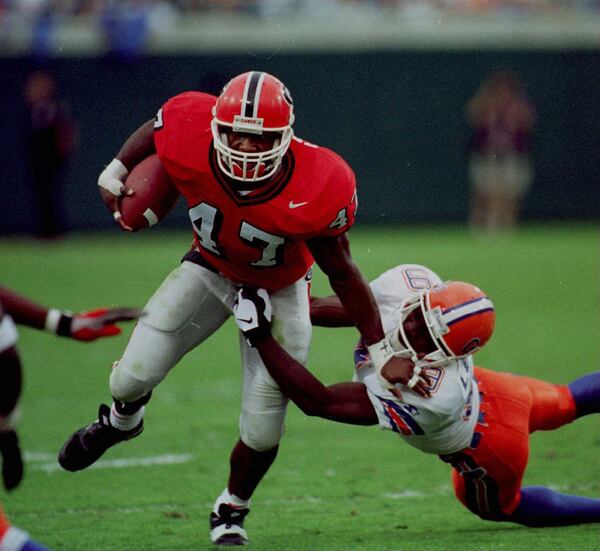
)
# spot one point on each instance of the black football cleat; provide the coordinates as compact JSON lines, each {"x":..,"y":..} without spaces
{"x":12,"y":461}
{"x":89,"y":443}
{"x":227,"y":526}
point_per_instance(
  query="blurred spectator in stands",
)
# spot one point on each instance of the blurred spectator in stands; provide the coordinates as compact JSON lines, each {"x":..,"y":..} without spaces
{"x":128,"y":25}
{"x":45,"y":20}
{"x":126,"y":29}
{"x":50,"y":143}
{"x":500,"y":151}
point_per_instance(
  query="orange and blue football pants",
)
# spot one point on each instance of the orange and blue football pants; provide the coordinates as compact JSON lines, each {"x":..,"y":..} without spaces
{"x":487,"y":475}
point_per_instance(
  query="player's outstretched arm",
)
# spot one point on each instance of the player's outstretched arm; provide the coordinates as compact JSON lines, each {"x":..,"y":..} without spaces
{"x":111,"y":181}
{"x":83,"y":326}
{"x":343,"y":402}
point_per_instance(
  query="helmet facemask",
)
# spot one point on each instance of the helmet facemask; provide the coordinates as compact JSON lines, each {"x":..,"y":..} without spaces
{"x":246,"y":166}
{"x":401,"y":341}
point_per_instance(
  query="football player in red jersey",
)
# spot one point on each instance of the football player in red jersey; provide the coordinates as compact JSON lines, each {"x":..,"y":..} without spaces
{"x":86,"y":326}
{"x":264,"y":206}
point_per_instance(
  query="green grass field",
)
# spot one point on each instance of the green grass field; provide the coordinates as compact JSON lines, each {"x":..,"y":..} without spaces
{"x":333,"y":487}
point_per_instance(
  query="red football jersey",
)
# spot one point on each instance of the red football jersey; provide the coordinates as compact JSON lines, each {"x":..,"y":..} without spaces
{"x":258,"y":238}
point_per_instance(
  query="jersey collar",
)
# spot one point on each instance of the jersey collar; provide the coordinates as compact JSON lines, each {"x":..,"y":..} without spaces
{"x":259,"y":192}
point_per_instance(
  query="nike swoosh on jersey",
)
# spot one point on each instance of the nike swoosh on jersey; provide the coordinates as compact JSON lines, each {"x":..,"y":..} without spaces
{"x":293,"y":205}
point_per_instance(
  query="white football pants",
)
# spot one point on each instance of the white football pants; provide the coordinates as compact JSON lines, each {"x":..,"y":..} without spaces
{"x":188,"y":307}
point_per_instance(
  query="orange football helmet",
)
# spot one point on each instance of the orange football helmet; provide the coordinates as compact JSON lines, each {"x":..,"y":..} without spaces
{"x":459,"y":316}
{"x":252,"y":103}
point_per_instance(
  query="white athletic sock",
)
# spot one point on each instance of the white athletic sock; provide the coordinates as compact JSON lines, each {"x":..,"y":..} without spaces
{"x":125,"y":422}
{"x":231,"y":499}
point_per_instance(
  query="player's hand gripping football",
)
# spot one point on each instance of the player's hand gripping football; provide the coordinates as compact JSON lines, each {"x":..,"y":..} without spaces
{"x":92,"y":325}
{"x":253,"y":314}
{"x":111,"y":183}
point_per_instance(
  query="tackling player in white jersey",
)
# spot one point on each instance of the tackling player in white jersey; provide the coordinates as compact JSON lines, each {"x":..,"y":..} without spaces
{"x":476,"y":420}
{"x":445,"y":420}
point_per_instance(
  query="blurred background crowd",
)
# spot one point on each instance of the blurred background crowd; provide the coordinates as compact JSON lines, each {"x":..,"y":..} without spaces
{"x":130,"y":25}
{"x":86,"y":7}
{"x":76,"y":8}
{"x":159,"y":15}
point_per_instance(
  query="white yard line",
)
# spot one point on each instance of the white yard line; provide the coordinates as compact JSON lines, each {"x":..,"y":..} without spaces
{"x":49,"y":464}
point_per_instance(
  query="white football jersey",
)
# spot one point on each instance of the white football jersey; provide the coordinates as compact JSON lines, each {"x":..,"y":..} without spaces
{"x":443,"y":423}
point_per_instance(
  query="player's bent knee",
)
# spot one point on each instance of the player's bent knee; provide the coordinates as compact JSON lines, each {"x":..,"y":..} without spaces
{"x":259,"y":443}
{"x":261,"y":432}
{"x":126,"y":387}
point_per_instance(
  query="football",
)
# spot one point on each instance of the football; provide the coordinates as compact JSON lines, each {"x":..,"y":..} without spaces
{"x":154,"y":198}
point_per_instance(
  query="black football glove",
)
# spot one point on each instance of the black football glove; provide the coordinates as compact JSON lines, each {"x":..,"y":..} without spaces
{"x":12,"y":462}
{"x":253,"y":314}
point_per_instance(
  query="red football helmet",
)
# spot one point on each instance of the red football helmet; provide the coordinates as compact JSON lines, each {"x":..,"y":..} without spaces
{"x":254,"y":103}
{"x":459,"y":316}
